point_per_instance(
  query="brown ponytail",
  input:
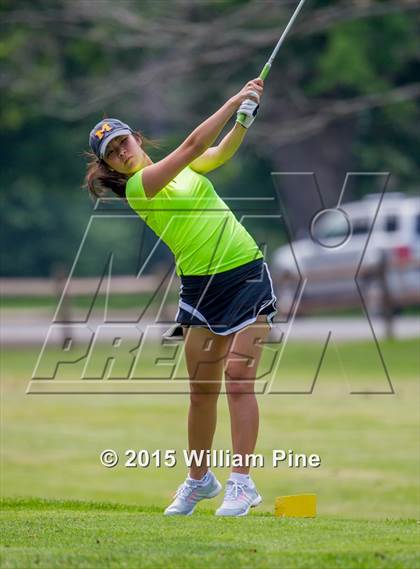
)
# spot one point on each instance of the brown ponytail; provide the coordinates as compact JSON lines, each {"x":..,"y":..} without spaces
{"x":100,"y":178}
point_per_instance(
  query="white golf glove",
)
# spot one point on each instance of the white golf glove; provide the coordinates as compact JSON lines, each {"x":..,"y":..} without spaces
{"x":248,"y":111}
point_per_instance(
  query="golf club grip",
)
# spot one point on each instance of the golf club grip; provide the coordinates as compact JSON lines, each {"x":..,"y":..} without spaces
{"x":265,"y":71}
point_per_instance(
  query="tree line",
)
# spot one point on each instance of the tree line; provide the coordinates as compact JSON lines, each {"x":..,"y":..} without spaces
{"x":342,"y":96}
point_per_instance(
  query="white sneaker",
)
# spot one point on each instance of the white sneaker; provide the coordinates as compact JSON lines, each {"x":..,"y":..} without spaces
{"x":239,"y":498}
{"x":190,"y":493}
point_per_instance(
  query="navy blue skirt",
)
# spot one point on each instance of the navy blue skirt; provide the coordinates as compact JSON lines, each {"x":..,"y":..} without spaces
{"x":225,"y":302}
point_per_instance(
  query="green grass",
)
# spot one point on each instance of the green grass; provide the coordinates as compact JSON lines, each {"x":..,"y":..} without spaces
{"x":63,"y":534}
{"x":135,"y":301}
{"x":117,"y":301}
{"x":366,"y":486}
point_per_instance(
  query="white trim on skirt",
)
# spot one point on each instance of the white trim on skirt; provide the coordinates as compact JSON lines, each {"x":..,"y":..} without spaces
{"x":199,"y":316}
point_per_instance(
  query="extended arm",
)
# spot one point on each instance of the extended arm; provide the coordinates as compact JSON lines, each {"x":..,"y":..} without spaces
{"x":215,"y":156}
{"x":158,"y":175}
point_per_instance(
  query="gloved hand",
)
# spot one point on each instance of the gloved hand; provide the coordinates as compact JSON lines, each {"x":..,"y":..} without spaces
{"x":248,"y":111}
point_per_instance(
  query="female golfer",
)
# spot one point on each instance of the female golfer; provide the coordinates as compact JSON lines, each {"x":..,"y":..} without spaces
{"x":226,"y":299}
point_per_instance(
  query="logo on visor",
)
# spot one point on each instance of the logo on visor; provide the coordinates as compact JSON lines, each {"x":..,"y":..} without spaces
{"x":101,"y":132}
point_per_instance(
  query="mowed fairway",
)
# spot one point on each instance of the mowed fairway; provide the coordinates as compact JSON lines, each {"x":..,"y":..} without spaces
{"x":99,"y":517}
{"x":65,"y":534}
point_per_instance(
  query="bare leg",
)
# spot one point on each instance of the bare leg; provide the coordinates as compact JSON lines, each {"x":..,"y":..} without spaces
{"x":205,"y":353}
{"x":241,"y":370}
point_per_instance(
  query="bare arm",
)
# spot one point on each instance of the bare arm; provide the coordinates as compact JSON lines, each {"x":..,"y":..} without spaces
{"x":157,"y":176}
{"x":215,"y":156}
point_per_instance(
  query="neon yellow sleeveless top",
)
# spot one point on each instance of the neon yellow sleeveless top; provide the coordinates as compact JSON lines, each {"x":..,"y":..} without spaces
{"x":196,"y":224}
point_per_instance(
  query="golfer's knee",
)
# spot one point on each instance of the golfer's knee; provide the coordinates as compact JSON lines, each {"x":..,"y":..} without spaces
{"x":240,"y":371}
{"x":237,"y":390}
{"x":204,"y":395}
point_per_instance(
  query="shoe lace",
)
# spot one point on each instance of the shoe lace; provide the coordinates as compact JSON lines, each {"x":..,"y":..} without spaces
{"x":184,"y":490}
{"x":233,"y":489}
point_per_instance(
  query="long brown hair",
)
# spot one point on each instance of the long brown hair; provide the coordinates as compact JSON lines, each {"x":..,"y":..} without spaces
{"x":100,"y":178}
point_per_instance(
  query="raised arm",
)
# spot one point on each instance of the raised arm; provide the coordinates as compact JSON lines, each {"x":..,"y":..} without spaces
{"x":157,"y":176}
{"x":215,"y":156}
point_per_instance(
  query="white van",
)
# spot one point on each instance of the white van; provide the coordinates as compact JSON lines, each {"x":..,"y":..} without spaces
{"x":328,"y":261}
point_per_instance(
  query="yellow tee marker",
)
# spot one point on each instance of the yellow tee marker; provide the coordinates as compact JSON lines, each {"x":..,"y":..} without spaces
{"x":299,"y":506}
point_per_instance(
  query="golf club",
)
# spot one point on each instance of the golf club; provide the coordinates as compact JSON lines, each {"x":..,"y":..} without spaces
{"x":266,"y":69}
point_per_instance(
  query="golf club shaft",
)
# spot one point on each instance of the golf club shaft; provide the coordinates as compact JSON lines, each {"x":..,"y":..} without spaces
{"x":266,"y":69}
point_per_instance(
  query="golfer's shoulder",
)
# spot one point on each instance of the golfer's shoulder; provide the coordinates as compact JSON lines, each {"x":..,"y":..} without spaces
{"x":134,"y":186}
